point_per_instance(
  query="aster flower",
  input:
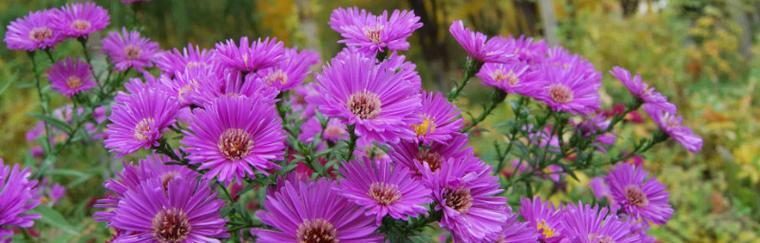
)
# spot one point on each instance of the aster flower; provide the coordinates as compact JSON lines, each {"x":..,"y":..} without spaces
{"x":440,"y":119}
{"x":642,"y":90}
{"x":191,"y":57}
{"x":80,"y":19}
{"x":513,"y":231}
{"x":250,"y":56}
{"x":70,"y":76}
{"x":430,"y":157}
{"x":478,"y":46}
{"x":526,"y":50}
{"x":638,"y":195}
{"x":672,"y":124}
{"x":180,"y":210}
{"x":130,"y":177}
{"x":380,"y":104}
{"x":382,"y":189}
{"x":467,"y":194}
{"x":17,"y":197}
{"x":33,"y":31}
{"x":311,"y":211}
{"x":127,"y":49}
{"x":138,"y":120}
{"x":233,"y":136}
{"x":511,"y":77}
{"x":570,"y":89}
{"x":584,"y":224}
{"x":543,"y":217}
{"x":291,"y":71}
{"x":334,"y":130}
{"x":371,"y":34}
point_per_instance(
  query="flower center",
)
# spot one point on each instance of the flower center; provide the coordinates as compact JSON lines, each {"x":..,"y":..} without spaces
{"x":182,"y":91}
{"x":365,"y":105}
{"x":544,"y":229}
{"x":73,"y":82}
{"x":384,"y":194}
{"x":670,"y":120}
{"x":432,"y":159}
{"x":277,"y":77}
{"x":635,"y":196}
{"x":171,"y":225}
{"x":373,"y":33}
{"x":132,"y":52}
{"x":560,"y":93}
{"x":235,"y":143}
{"x":459,"y":199}
{"x":144,"y":129}
{"x":509,"y":77}
{"x":40,"y":34}
{"x":426,"y":127}
{"x":80,"y":25}
{"x":316,"y":231}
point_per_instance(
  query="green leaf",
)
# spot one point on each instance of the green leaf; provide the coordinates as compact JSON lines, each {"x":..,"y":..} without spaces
{"x":63,"y":126}
{"x":55,"y":219}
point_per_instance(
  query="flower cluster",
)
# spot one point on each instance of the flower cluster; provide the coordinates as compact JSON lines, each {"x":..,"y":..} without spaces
{"x":357,"y":152}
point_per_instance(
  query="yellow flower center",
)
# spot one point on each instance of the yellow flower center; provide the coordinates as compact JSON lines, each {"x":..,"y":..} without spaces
{"x":545,"y":230}
{"x":426,"y":127}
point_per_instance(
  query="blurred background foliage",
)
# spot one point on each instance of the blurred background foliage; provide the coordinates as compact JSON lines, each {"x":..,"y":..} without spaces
{"x":703,"y":54}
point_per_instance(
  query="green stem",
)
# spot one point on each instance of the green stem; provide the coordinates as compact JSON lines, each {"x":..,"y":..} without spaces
{"x":351,"y":141}
{"x":497,"y":97}
{"x":83,"y":42}
{"x":471,"y":67}
{"x":43,"y":103}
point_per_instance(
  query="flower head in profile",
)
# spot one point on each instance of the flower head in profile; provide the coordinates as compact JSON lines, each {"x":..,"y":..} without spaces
{"x":311,"y":211}
{"x":70,"y":76}
{"x":219,"y":82}
{"x":642,"y":90}
{"x":33,"y":31}
{"x":601,"y":191}
{"x":568,"y":88}
{"x":429,"y":157}
{"x":81,"y":19}
{"x":526,"y":50}
{"x":291,"y":71}
{"x":371,"y":34}
{"x":17,"y":197}
{"x":542,"y":217}
{"x":380,"y":103}
{"x":179,"y":210}
{"x":176,"y":61}
{"x":233,"y":136}
{"x":440,"y":120}
{"x":478,"y":46}
{"x":511,"y":77}
{"x":139,"y":119}
{"x":250,"y":56}
{"x":467,"y":194}
{"x":130,"y":177}
{"x":638,"y":195}
{"x":513,"y":231}
{"x":127,"y":49}
{"x":383,"y":189}
{"x":672,"y":124}
{"x":585,"y":224}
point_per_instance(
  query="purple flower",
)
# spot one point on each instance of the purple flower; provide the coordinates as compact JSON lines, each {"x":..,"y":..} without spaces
{"x":378,"y":102}
{"x":512,"y":230}
{"x":250,"y":56}
{"x":129,"y":50}
{"x":543,"y":218}
{"x":639,"y":196}
{"x":568,"y":88}
{"x":371,"y":34}
{"x":313,"y":212}
{"x":291,"y":71}
{"x":602,"y":192}
{"x":138,"y":120}
{"x":233,"y":136}
{"x":218,"y":82}
{"x":80,"y":19}
{"x":440,"y":119}
{"x":584,"y":224}
{"x":179,"y":210}
{"x":70,"y":76}
{"x":430,"y":157}
{"x":478,"y":46}
{"x":382,"y":189}
{"x":56,"y":192}
{"x":184,"y":85}
{"x":334,"y":130}
{"x":130,"y":178}
{"x":191,"y":57}
{"x":642,"y":90}
{"x":33,"y":31}
{"x":672,"y":124}
{"x":467,"y":194}
{"x":511,"y":77}
{"x":17,"y":197}
{"x":526,"y":50}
